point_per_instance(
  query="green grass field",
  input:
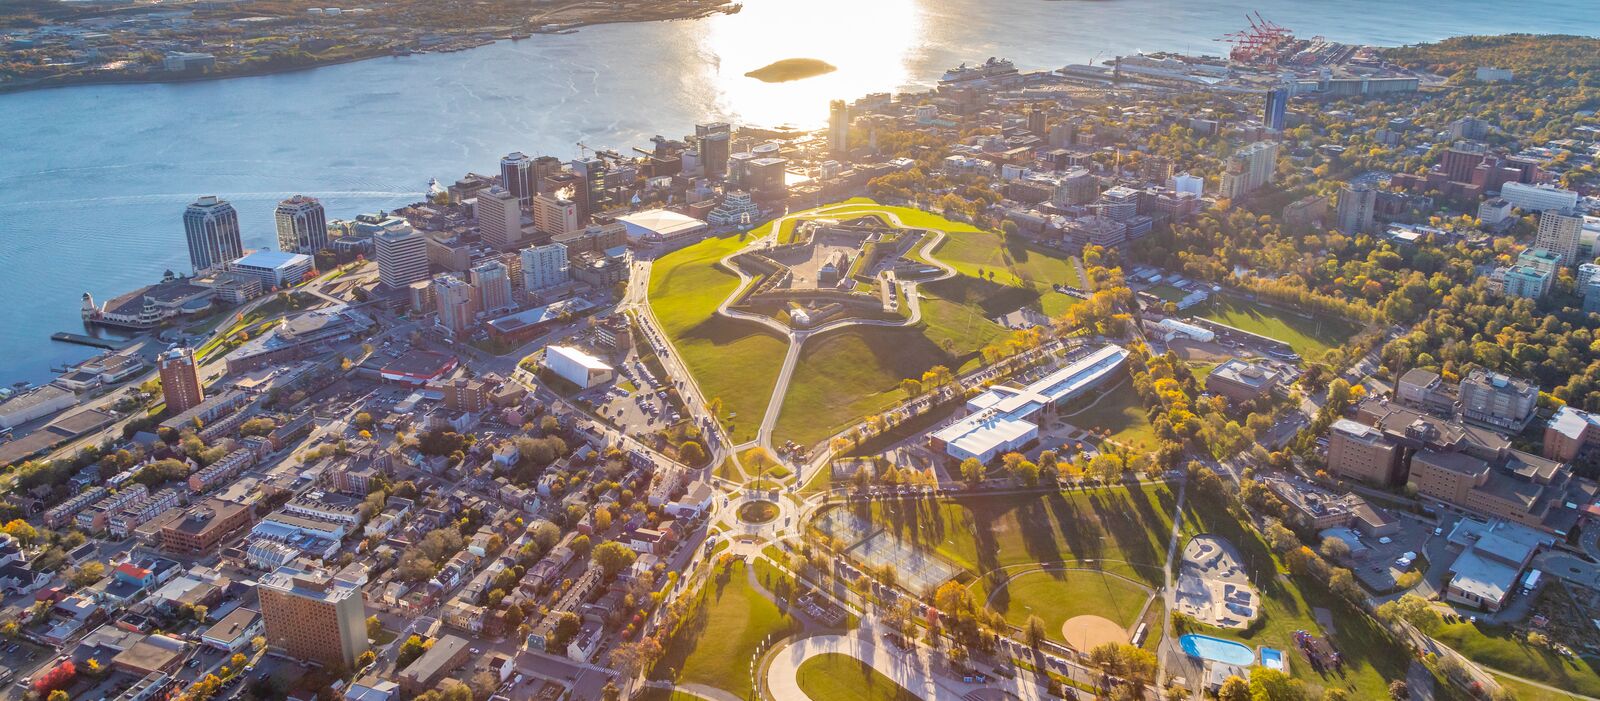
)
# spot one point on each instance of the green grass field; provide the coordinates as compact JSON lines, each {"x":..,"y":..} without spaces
{"x":1528,"y":692}
{"x":716,"y":643}
{"x":1119,"y":412}
{"x":850,"y":373}
{"x":1309,"y":337}
{"x":1168,"y":293}
{"x":1497,"y":648}
{"x":1123,"y":530}
{"x":732,"y":360}
{"x":838,"y":677}
{"x":1059,"y":596}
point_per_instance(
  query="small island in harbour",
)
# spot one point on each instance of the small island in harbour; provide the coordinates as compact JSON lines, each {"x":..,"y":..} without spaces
{"x":791,"y":69}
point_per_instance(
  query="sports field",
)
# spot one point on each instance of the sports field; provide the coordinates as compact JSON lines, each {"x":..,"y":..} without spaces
{"x":1060,"y":595}
{"x":1310,"y":337}
{"x":733,"y":360}
{"x":1124,"y":530}
{"x":839,"y":677}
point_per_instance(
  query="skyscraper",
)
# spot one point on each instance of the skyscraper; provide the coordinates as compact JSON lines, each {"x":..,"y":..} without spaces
{"x":544,"y":266}
{"x":1559,"y":232}
{"x":491,"y":284}
{"x":312,"y":616}
{"x":1277,"y":103}
{"x":715,"y":145}
{"x":212,"y":227}
{"x":1036,"y":123}
{"x":180,"y":380}
{"x":555,"y":214}
{"x":454,"y":298}
{"x":838,"y":127}
{"x":1356,"y":204}
{"x":516,"y":175}
{"x":302,"y":225}
{"x":499,"y":218}
{"x":402,"y":257}
{"x":590,"y":193}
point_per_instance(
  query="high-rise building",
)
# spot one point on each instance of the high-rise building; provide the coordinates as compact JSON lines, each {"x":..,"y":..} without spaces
{"x":590,"y":193}
{"x":212,"y":227}
{"x":312,"y":616}
{"x":1497,"y":400}
{"x":491,"y":284}
{"x":1246,"y":171}
{"x":1538,"y":198}
{"x":1184,"y":182}
{"x":1355,"y":209}
{"x":1076,"y":186}
{"x":1277,"y":104}
{"x":1559,"y":232}
{"x":715,"y":139}
{"x":1036,"y":123}
{"x":302,"y":225}
{"x":499,"y":218}
{"x":1461,"y":159}
{"x":454,"y":299}
{"x":180,"y":380}
{"x":516,"y":176}
{"x":555,"y":214}
{"x":544,"y":266}
{"x":1120,"y":203}
{"x":838,"y":127}
{"x":402,"y":256}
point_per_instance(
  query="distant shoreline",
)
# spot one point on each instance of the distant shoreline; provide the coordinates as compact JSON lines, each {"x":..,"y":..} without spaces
{"x":151,"y":79}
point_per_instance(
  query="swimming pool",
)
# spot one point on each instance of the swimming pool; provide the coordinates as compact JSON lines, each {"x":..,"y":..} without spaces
{"x":1272,"y":658}
{"x":1206,"y":647}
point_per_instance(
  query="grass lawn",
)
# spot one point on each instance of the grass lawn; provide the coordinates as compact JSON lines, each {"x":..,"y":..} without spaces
{"x":1060,"y":596}
{"x":1118,"y":415}
{"x":1529,"y":692}
{"x":1168,"y":293}
{"x":1309,"y":337}
{"x":732,"y":360}
{"x":1054,"y":303}
{"x":1497,"y":647}
{"x":715,"y":644}
{"x":1124,"y":530}
{"x":1201,"y":370}
{"x":962,"y":328}
{"x":851,"y":373}
{"x":652,"y":694}
{"x":1371,"y":657}
{"x":837,"y":677}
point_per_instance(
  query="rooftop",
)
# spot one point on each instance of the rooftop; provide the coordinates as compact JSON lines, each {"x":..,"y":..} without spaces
{"x":273,"y":260}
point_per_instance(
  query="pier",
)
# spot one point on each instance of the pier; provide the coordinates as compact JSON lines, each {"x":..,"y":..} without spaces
{"x":83,"y":340}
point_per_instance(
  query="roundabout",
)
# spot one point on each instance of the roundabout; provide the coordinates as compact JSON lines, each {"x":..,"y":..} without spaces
{"x":757,"y":512}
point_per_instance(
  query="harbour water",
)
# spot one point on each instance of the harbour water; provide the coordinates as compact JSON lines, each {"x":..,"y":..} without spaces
{"x":93,"y":180}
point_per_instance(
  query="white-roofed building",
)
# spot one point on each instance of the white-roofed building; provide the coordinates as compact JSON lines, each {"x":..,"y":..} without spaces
{"x":660,"y":225}
{"x":1493,"y":556}
{"x":576,"y":366}
{"x":273,"y":268}
{"x":1001,"y":419}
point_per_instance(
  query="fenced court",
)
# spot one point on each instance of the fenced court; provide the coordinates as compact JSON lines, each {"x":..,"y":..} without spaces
{"x":916,"y":568}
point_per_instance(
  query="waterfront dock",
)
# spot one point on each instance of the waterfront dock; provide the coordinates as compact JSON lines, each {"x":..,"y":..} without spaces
{"x":83,"y":340}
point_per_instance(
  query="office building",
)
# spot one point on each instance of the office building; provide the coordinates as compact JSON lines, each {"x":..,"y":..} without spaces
{"x":1559,"y":233}
{"x":1076,"y":186}
{"x":1277,"y":104}
{"x":516,"y":177}
{"x":1249,"y":169}
{"x":302,"y":225}
{"x":180,"y":380}
{"x":545,"y":169}
{"x":273,"y":269}
{"x":715,"y":140}
{"x":544,"y":266}
{"x":1156,"y":169}
{"x":212,"y":228}
{"x":499,"y":218}
{"x":1538,"y":198}
{"x":1184,"y":182}
{"x":1495,"y":400}
{"x":1570,"y":432}
{"x":1037,"y":120}
{"x":590,"y":191}
{"x":1362,"y":452}
{"x":1242,"y":381}
{"x":556,"y":214}
{"x":402,"y":257}
{"x":491,"y":285}
{"x":1119,"y":203}
{"x":310,"y":615}
{"x":455,"y":305}
{"x":1355,"y":208}
{"x":838,"y":128}
{"x":1493,"y":211}
{"x":737,"y":208}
